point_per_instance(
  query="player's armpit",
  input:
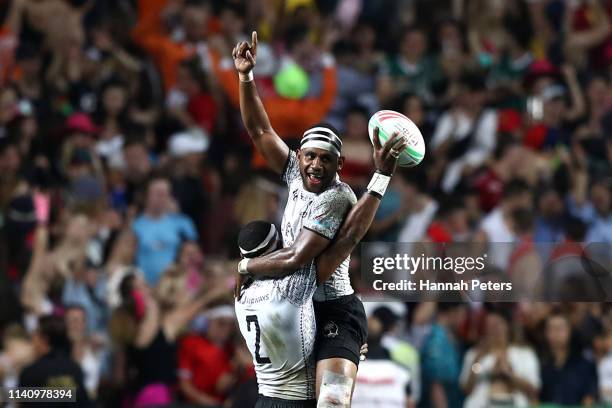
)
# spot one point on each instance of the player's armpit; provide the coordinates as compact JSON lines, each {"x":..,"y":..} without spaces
{"x":307,"y":246}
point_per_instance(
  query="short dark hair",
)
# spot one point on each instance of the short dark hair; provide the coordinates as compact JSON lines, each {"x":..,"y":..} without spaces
{"x":253,"y":235}
{"x":53,"y":329}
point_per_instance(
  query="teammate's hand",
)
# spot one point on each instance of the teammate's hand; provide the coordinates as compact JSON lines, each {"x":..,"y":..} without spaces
{"x":384,"y":161}
{"x":245,"y":55}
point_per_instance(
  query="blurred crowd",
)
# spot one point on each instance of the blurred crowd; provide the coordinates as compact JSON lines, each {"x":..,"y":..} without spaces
{"x":126,"y":172}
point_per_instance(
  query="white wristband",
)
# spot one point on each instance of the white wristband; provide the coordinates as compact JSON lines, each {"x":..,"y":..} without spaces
{"x":246,"y":77}
{"x":378,"y":184}
{"x":242,"y":266}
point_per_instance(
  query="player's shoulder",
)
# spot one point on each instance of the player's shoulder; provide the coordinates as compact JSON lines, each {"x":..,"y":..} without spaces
{"x":339,"y":191}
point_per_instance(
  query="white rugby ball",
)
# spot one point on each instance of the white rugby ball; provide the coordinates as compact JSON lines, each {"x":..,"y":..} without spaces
{"x":389,"y":122}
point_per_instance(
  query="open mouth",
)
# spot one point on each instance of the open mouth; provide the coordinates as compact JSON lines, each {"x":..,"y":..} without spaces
{"x":315,"y":178}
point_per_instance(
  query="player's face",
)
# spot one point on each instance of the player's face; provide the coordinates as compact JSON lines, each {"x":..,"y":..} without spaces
{"x":318,"y":168}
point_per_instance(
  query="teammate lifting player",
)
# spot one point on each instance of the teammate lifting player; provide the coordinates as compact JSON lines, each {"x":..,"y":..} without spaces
{"x":317,"y":204}
{"x":276,"y":316}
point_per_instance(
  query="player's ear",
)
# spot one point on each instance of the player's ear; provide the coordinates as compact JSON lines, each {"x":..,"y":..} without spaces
{"x":298,"y":152}
{"x":340,"y":162}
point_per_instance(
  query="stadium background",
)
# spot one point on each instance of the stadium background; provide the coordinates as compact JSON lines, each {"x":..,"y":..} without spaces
{"x":122,"y":152}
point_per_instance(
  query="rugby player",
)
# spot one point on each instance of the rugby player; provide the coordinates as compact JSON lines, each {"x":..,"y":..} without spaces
{"x":277,"y":317}
{"x":317,"y":204}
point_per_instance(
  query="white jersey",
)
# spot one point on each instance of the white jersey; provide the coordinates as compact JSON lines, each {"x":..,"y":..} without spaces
{"x":322,"y":213}
{"x":277,"y":320}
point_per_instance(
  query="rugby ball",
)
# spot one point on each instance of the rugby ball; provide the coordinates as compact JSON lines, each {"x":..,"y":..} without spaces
{"x":389,"y":122}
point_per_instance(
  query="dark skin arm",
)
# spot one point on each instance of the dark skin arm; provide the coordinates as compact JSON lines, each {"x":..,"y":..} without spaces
{"x":359,"y":219}
{"x":254,"y":116}
{"x":307,"y":246}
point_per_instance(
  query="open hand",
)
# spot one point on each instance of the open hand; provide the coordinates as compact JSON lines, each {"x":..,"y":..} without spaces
{"x":245,"y":55}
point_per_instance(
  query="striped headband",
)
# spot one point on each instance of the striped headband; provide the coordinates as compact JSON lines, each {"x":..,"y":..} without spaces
{"x":264,"y":243}
{"x":322,"y":138}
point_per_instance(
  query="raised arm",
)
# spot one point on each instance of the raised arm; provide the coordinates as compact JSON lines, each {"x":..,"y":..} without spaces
{"x":362,"y":214}
{"x":254,"y":116}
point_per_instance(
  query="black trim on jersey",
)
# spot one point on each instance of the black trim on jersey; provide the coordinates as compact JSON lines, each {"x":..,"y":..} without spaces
{"x":317,"y":232}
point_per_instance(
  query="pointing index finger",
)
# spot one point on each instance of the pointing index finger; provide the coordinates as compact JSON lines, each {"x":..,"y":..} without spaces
{"x":254,"y":42}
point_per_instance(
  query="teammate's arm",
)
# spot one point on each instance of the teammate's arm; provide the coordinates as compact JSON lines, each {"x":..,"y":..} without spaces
{"x":362,"y":214}
{"x":254,"y":116}
{"x":308,"y":245}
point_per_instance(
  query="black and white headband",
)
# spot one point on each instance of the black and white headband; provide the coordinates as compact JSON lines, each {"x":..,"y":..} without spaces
{"x":322,"y":138}
{"x":254,"y":252}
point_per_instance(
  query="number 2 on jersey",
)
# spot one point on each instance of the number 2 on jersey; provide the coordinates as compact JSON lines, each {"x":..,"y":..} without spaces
{"x":253,"y":319}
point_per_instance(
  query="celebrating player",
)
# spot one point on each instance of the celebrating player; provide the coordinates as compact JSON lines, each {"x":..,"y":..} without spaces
{"x":317,"y":204}
{"x":276,"y":316}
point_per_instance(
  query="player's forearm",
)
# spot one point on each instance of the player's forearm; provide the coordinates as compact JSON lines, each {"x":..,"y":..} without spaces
{"x":355,"y":227}
{"x":252,"y":110}
{"x":275,"y":264}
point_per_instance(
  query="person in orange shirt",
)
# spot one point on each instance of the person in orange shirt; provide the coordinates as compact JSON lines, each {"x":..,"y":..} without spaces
{"x":291,"y":116}
{"x":169,"y":49}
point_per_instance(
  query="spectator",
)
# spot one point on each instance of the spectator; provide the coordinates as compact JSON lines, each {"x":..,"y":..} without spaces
{"x":291,"y":116}
{"x":466,"y":134}
{"x":410,"y":70}
{"x":604,"y":372}
{"x":86,"y":349}
{"x":188,"y":150}
{"x":151,"y":33}
{"x":379,"y":368}
{"x":496,"y":227}
{"x":138,"y":168}
{"x":358,"y":163}
{"x":190,"y":102}
{"x":53,"y":366}
{"x":159,"y":230}
{"x":549,"y":222}
{"x":86,"y":288}
{"x":568,"y":378}
{"x":497,"y":362}
{"x":112,"y":117}
{"x":441,"y":359}
{"x":146,"y":327}
{"x":208,"y":366}
{"x":596,"y":213}
{"x":18,"y":352}
{"x":525,"y":264}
